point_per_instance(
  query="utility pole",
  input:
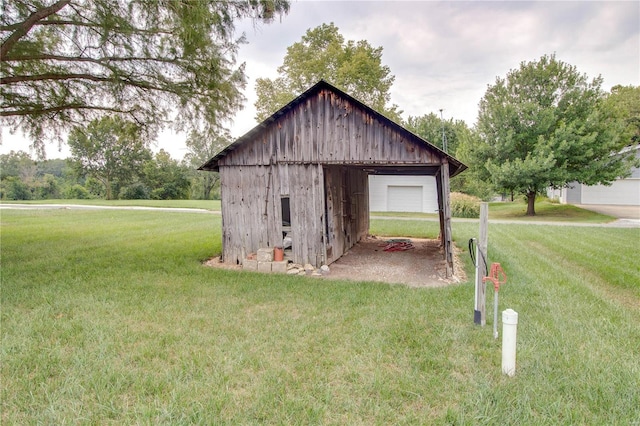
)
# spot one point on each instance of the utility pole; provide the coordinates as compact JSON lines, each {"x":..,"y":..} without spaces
{"x":444,"y":139}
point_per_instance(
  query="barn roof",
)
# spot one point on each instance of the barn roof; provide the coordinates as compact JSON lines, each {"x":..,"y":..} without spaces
{"x":455,"y":166}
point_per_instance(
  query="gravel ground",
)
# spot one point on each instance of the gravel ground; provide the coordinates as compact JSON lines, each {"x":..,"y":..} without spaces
{"x":422,"y":266}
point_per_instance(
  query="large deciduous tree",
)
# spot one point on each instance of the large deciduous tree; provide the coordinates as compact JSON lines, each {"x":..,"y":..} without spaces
{"x":626,"y":100}
{"x":546,"y":125}
{"x":459,"y":139}
{"x":202,"y":146}
{"x":430,"y":127}
{"x":355,"y":67}
{"x":110,"y":150}
{"x":166,"y":178}
{"x":66,"y":62}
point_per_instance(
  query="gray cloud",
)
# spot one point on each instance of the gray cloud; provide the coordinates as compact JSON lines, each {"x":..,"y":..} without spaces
{"x":444,"y":54}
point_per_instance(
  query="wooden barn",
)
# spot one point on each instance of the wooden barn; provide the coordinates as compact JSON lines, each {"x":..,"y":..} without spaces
{"x":303,"y":174}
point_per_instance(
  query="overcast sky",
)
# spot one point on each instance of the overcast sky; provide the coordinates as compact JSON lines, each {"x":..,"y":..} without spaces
{"x":444,"y":54}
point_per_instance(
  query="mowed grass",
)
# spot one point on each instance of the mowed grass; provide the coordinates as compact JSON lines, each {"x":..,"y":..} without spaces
{"x":108,"y":317}
{"x":545,"y":211}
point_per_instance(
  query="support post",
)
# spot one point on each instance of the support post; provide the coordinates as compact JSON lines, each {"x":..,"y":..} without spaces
{"x":440,"y":206}
{"x":446,"y":207}
{"x":479,"y":316}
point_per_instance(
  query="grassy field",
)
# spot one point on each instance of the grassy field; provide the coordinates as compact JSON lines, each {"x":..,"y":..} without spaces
{"x":108,"y":317}
{"x":546,"y":211}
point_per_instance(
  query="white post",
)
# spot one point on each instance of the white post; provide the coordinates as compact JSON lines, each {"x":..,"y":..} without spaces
{"x":509,"y":331}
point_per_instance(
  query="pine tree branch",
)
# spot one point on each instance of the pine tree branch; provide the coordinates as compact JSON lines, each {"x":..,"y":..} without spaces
{"x":59,"y":77}
{"x":99,"y":61}
{"x":75,"y":106}
{"x":27,"y":24}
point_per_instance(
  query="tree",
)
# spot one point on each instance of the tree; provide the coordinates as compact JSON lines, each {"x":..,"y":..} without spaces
{"x":110,"y":150}
{"x":166,"y":179}
{"x":47,"y":187}
{"x":202,"y":147}
{"x":459,"y":138}
{"x":12,"y":188}
{"x":545,"y":125}
{"x":22,"y":177}
{"x":66,"y":62}
{"x":18,"y":164}
{"x":355,"y":67}
{"x":474,"y":180}
{"x":429,"y":127}
{"x":626,"y":100}
{"x":56,"y":167}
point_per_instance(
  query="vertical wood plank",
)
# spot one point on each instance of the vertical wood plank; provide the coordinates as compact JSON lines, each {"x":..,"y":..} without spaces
{"x":439,"y":194}
{"x":448,"y":240}
{"x":483,"y":239}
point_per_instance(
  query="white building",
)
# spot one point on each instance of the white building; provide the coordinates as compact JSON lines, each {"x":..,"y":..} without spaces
{"x":403,"y":194}
{"x":623,"y":192}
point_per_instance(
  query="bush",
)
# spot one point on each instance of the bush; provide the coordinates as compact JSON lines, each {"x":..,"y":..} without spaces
{"x":13,"y":188}
{"x":463,"y":205}
{"x":77,"y":192}
{"x":47,"y":188}
{"x":172,"y":191}
{"x":135,"y":191}
{"x":95,"y":187}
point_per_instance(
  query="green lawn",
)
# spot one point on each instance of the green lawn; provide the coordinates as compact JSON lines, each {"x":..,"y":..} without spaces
{"x":545,"y":211}
{"x":108,"y":317}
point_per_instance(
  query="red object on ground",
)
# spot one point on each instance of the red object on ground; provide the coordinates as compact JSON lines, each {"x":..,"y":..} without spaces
{"x":398,"y":246}
{"x":494,"y":276}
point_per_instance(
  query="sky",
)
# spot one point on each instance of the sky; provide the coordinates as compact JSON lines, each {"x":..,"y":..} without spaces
{"x":443,"y":54}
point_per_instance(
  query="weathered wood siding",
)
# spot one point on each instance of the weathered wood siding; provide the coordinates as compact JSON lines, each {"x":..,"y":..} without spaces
{"x":347,"y":204}
{"x":326,"y":128}
{"x":252,"y":210}
{"x":249,"y":215}
{"x":316,"y":152}
{"x":306,"y":192}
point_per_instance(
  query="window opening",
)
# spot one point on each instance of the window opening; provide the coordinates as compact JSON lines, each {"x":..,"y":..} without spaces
{"x":286,"y":211}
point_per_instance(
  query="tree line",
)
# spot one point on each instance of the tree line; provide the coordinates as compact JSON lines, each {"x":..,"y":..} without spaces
{"x":150,"y":176}
{"x":111,"y":73}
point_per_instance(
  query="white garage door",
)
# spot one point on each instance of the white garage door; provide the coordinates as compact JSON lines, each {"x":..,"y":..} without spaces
{"x":404,"y":198}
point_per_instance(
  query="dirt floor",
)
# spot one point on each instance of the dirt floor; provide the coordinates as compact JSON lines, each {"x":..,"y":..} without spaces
{"x":421,"y":266}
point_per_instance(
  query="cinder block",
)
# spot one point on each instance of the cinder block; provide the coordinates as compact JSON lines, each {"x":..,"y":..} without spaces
{"x":279,"y":267}
{"x":250,"y":265}
{"x":265,"y":255}
{"x":264,"y":266}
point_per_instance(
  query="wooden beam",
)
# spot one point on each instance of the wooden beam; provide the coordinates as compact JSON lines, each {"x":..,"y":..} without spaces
{"x":481,"y":287}
{"x":440,"y":205}
{"x":446,"y":215}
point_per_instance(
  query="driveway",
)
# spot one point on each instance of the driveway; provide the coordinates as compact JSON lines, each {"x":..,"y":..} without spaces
{"x":94,"y":207}
{"x":621,"y":212}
